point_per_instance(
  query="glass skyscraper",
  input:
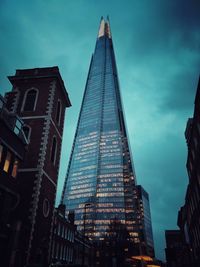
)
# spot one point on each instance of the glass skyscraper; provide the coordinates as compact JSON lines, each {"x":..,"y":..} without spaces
{"x":100,"y":182}
{"x":144,"y":223}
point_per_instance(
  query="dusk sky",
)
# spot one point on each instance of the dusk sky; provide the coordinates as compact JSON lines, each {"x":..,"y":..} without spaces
{"x":157,"y":49}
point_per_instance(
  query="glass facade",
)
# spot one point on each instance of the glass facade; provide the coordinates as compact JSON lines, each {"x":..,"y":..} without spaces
{"x":100,"y":181}
{"x":145,"y":221}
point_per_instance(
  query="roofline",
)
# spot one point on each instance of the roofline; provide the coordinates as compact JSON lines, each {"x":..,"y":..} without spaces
{"x":56,"y":75}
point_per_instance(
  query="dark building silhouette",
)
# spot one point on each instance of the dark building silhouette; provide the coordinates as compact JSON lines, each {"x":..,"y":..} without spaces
{"x":174,"y":246}
{"x":189,"y":215}
{"x":39,"y":98}
{"x":186,"y":253}
{"x":12,"y":152}
{"x":68,"y":246}
{"x":62,"y":245}
{"x":83,"y":251}
{"x":101,"y":182}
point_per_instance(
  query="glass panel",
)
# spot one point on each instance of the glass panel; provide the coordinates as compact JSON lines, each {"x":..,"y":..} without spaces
{"x":7,"y":162}
{"x":18,"y":126}
{"x":15,"y":168}
{"x":100,"y":170}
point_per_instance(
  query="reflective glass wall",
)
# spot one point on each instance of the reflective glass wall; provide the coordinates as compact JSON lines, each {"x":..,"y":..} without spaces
{"x":100,"y":182}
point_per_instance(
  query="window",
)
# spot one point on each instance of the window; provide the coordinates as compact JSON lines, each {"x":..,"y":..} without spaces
{"x":58,"y":112}
{"x":27,"y":132}
{"x":15,"y":168}
{"x":57,"y":250}
{"x":46,"y":207}
{"x":30,"y":100}
{"x":58,"y":228}
{"x":53,"y":249}
{"x":7,"y":162}
{"x":18,"y":126}
{"x":53,"y":150}
{"x":1,"y":152}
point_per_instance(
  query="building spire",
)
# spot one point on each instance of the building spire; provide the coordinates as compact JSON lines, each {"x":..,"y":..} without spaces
{"x":104,"y":28}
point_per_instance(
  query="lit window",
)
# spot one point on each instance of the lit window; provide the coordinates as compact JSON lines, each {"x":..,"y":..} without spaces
{"x":7,"y":162}
{"x":53,"y":150}
{"x":30,"y":100}
{"x":58,"y":112}
{"x":15,"y":168}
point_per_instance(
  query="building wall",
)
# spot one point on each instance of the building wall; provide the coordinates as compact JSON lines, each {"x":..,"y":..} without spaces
{"x":38,"y":174}
{"x":62,"y":246}
{"x":101,"y":171}
{"x":192,"y":200}
{"x":11,"y":143}
{"x":145,"y":224}
{"x":189,"y":215}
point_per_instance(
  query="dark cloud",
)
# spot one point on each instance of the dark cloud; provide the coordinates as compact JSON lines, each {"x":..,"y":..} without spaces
{"x":181,"y":92}
{"x":157,"y":47}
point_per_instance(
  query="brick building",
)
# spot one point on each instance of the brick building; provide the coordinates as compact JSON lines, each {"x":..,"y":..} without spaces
{"x":39,"y":98}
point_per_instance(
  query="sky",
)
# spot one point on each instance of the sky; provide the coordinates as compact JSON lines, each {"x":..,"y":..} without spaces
{"x":157,"y":49}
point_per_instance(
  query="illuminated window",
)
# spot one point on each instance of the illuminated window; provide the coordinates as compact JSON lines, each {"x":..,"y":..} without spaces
{"x":15,"y":168}
{"x":7,"y":162}
{"x":58,"y":112}
{"x":53,"y":150}
{"x":30,"y":100}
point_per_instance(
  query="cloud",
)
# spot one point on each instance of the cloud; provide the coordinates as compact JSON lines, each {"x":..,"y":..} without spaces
{"x":157,"y":47}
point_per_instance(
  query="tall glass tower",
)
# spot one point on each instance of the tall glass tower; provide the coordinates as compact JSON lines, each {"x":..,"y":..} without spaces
{"x":100,"y":181}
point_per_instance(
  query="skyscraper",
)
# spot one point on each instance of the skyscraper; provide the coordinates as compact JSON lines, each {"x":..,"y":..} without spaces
{"x":100,"y":181}
{"x":144,"y":222}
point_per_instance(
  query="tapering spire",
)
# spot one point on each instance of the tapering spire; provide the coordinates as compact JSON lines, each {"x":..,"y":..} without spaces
{"x":104,"y":28}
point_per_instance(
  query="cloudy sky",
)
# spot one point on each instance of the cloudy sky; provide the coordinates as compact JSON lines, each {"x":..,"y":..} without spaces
{"x":157,"y":47}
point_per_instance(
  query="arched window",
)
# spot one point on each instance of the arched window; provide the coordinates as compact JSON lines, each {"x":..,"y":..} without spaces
{"x":27,"y":132}
{"x":46,"y":207}
{"x":30,"y":100}
{"x":53,"y":150}
{"x":58,"y":112}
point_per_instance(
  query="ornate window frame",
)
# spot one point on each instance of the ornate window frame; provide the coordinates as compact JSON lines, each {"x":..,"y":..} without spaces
{"x":25,"y":96}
